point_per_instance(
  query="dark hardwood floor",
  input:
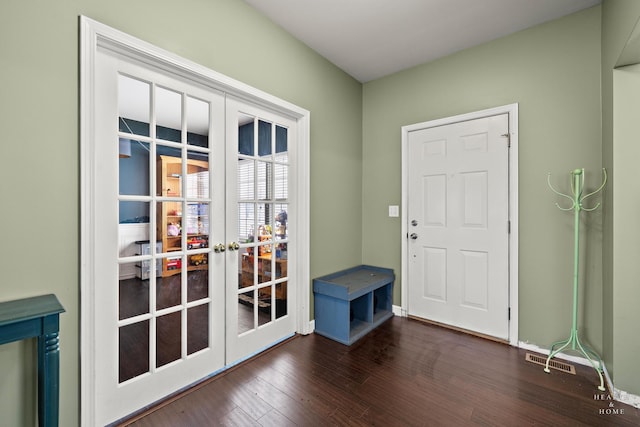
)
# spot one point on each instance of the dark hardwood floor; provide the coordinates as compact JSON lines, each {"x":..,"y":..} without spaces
{"x":404,"y":373}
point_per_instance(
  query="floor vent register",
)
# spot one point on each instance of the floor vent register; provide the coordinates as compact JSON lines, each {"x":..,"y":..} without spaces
{"x":553,"y":364}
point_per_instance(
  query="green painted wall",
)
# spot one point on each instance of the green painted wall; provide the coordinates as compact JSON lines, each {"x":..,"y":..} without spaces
{"x":553,"y":72}
{"x":620,"y":105}
{"x":39,"y":175}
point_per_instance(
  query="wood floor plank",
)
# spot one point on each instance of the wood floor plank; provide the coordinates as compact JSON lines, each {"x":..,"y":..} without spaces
{"x":412,"y":404}
{"x":180,"y":413}
{"x":237,"y":417}
{"x":296,"y":382}
{"x":274,"y":418}
{"x":341,"y":418}
{"x":299,"y":410}
{"x":404,"y":373}
{"x":245,"y":398}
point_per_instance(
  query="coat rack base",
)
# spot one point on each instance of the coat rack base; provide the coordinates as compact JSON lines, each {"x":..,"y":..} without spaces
{"x":573,"y":343}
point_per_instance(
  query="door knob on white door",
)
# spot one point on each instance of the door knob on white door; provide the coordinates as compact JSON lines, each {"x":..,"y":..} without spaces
{"x":413,"y":236}
{"x":219,"y":248}
{"x":234,"y":246}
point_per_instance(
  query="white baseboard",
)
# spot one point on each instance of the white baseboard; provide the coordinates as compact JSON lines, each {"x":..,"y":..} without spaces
{"x":619,"y":395}
{"x":628,"y":398}
{"x":311,"y":327}
{"x":397,"y":311}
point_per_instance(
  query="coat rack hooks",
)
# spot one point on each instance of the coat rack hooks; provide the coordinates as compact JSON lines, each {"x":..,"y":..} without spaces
{"x":577,"y":185}
{"x":577,"y":199}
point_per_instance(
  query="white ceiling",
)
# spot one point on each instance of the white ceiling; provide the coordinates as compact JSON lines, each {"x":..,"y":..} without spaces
{"x":370,"y":39}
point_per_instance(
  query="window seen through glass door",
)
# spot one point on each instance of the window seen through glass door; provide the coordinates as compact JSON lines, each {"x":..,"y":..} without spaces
{"x":263,"y":233}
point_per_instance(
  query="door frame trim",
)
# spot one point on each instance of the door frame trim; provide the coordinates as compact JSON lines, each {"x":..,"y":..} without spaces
{"x":512,"y":111}
{"x":95,"y":36}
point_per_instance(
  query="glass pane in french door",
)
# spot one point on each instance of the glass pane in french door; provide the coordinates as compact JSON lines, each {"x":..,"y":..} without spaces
{"x":164,"y":201}
{"x":262,"y":229}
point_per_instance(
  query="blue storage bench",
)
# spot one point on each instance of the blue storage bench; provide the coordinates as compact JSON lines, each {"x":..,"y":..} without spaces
{"x":350,"y":303}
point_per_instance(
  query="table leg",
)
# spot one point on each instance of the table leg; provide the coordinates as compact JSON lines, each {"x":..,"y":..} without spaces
{"x":48,"y":379}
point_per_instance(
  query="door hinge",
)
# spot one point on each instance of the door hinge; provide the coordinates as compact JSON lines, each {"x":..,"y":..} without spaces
{"x":508,"y":136}
{"x":508,"y":226}
{"x":509,"y":313}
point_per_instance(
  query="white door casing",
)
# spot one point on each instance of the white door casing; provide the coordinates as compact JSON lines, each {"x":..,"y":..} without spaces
{"x":459,"y":191}
{"x":97,"y":171}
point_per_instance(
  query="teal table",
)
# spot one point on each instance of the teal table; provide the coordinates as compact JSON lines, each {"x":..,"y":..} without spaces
{"x":38,"y":317}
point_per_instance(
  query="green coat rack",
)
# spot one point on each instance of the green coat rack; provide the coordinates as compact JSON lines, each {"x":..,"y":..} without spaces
{"x":577,"y":200}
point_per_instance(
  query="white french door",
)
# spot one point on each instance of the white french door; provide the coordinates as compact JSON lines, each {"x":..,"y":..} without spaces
{"x":458,"y":224}
{"x":260,"y":293}
{"x":194,"y":245}
{"x":159,"y":316}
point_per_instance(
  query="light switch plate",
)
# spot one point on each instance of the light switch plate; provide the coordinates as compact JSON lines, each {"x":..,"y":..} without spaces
{"x":394,"y":211}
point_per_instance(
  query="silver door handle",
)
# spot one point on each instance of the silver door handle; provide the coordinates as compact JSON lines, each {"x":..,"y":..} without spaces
{"x":413,"y":236}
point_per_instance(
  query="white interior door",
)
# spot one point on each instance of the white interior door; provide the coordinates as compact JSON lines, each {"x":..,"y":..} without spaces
{"x":262,"y":228}
{"x":458,"y":225}
{"x":159,"y":288}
